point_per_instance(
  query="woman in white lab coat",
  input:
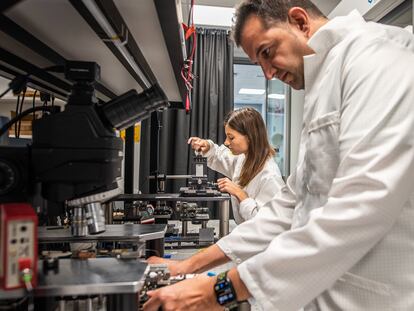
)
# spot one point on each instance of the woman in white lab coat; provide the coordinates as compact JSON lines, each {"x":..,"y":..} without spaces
{"x":246,"y":159}
{"x":253,"y":178}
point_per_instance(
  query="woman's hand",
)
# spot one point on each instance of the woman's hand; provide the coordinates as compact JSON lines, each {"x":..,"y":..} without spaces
{"x":176,"y":267}
{"x":198,"y":144}
{"x":226,"y":185}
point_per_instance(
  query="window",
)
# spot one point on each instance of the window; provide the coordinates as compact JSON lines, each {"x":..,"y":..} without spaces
{"x":249,"y":88}
{"x":276,"y":121}
{"x":270,"y":98}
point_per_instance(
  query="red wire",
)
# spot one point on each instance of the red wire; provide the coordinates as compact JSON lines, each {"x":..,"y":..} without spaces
{"x":186,"y":70}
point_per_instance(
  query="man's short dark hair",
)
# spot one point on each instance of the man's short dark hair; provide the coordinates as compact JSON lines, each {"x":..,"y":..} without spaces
{"x":270,"y":11}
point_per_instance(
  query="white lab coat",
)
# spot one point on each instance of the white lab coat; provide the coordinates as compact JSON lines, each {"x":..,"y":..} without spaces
{"x":260,"y":189}
{"x":351,"y":245}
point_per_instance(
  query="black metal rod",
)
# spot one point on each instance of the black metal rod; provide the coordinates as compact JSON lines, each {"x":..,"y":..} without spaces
{"x":7,"y":4}
{"x":171,"y":31}
{"x":141,"y":62}
{"x":113,"y":15}
{"x":34,"y":71}
{"x":129,"y":160}
{"x":27,"y":39}
{"x":9,"y":73}
{"x":154,"y":149}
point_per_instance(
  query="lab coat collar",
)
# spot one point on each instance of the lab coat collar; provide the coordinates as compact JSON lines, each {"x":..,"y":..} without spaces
{"x":334,"y":31}
{"x":324,"y":40}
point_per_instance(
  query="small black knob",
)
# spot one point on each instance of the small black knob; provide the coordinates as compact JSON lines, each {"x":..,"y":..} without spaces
{"x":50,"y":264}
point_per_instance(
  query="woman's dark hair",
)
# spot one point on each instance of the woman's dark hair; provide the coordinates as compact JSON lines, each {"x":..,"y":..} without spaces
{"x":249,"y":122}
{"x":270,"y":11}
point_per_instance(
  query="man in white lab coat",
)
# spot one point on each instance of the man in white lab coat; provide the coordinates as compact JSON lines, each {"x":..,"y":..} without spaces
{"x":351,"y":241}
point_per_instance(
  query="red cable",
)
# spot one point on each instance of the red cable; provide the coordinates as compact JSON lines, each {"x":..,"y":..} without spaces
{"x":186,"y":70}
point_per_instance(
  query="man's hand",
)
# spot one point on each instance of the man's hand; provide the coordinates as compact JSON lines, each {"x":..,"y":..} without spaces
{"x":226,"y":185}
{"x":175,"y":267}
{"x":190,"y":295}
{"x":198,"y":144}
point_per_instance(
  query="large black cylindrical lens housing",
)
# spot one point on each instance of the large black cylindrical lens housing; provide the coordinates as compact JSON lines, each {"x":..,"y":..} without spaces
{"x":131,"y":107}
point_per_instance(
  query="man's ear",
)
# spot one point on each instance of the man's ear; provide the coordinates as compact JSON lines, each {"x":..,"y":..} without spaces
{"x":299,"y":18}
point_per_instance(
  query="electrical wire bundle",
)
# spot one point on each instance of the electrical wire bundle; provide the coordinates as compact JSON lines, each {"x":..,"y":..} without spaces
{"x":186,"y":70}
{"x":19,"y":109}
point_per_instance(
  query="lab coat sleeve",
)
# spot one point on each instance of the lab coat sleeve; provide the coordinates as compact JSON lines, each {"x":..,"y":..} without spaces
{"x":220,"y":159}
{"x":254,"y":235}
{"x":267,"y":188}
{"x":373,"y":181}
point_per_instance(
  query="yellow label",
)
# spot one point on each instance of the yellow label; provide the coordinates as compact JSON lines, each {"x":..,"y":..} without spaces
{"x":137,"y":133}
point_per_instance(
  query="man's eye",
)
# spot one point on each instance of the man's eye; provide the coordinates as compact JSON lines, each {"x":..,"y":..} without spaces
{"x":266,"y":52}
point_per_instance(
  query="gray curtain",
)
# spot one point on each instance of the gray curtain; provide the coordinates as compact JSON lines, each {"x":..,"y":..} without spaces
{"x":213,"y":86}
{"x":212,"y":99}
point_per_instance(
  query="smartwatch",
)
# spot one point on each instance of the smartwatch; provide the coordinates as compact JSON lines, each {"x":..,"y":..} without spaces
{"x":225,"y":294}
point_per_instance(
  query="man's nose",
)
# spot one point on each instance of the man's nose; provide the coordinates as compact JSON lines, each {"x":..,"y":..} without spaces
{"x":268,"y":70}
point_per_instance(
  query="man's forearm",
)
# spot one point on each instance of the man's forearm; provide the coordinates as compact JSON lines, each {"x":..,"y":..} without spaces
{"x":209,"y":258}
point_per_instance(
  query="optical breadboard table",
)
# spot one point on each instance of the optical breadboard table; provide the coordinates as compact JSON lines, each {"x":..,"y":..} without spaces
{"x":223,"y":200}
{"x":115,"y":233}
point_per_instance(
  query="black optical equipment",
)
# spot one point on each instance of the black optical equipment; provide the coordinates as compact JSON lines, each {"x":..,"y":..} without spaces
{"x":123,"y":111}
{"x":76,"y":155}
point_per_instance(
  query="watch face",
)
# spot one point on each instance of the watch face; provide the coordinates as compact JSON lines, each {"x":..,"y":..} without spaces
{"x":224,"y":292}
{"x":226,"y":299}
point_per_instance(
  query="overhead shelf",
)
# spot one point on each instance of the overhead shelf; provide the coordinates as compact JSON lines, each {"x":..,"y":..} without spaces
{"x":35,"y":34}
